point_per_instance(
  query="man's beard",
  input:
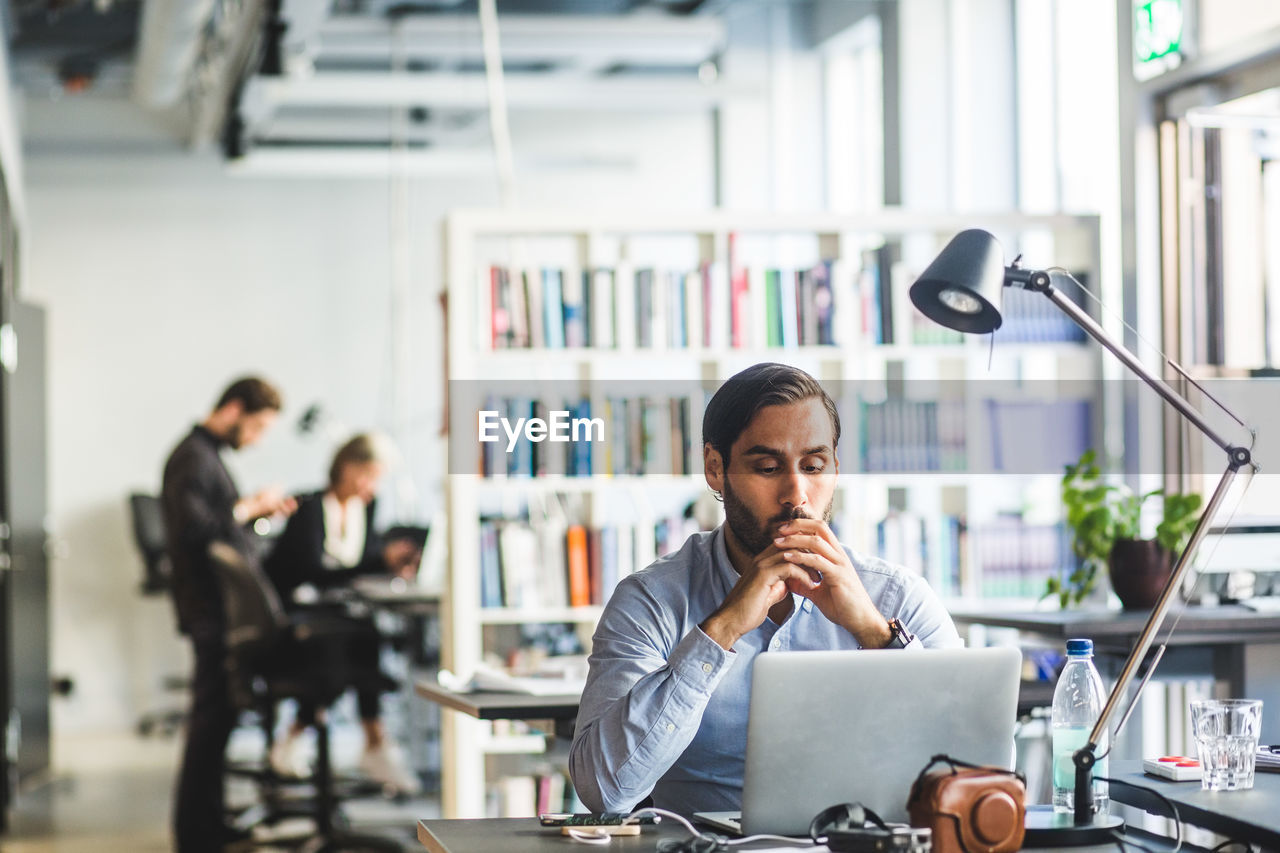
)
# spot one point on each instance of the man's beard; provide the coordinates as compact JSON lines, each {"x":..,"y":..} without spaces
{"x":235,"y":436}
{"x":754,"y":535}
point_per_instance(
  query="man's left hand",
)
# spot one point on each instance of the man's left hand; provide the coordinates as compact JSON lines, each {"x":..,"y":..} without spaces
{"x":840,"y":595}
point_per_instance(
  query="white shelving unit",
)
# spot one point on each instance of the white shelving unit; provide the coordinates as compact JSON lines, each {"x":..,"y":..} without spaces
{"x":474,"y":240}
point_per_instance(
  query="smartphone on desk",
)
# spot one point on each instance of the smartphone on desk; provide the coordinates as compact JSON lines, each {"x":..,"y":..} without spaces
{"x":609,"y":823}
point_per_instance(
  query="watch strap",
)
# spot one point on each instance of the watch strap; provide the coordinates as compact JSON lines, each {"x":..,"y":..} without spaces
{"x":900,"y":637}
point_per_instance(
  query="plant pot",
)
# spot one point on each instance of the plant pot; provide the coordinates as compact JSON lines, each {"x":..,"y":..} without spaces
{"x":1139,"y":570}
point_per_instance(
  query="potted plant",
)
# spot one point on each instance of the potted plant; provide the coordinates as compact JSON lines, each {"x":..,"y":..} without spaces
{"x":1105,"y":524}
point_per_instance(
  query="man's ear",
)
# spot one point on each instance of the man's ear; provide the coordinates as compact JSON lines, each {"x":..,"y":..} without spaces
{"x":713,"y":467}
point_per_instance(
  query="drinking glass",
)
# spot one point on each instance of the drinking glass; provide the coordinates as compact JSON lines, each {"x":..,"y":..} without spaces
{"x":1226,"y":732}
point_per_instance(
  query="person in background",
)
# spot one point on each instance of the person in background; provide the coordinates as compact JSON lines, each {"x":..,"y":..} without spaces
{"x":330,"y":540}
{"x":664,"y":711}
{"x":201,"y":504}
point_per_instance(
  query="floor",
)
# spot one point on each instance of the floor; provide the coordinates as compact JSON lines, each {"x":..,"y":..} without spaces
{"x":112,"y":794}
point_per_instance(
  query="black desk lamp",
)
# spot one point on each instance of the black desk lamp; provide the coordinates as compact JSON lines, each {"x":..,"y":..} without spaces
{"x":961,"y":290}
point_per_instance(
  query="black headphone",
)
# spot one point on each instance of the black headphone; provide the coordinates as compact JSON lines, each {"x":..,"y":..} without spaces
{"x":843,"y":818}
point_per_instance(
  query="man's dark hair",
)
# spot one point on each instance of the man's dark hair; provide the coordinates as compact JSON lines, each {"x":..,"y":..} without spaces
{"x":254,"y":395}
{"x":740,"y":398}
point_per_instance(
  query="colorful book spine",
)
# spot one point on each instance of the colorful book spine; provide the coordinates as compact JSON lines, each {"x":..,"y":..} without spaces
{"x":579,"y":566}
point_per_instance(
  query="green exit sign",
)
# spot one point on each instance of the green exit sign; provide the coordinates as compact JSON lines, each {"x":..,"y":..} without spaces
{"x":1157,"y":29}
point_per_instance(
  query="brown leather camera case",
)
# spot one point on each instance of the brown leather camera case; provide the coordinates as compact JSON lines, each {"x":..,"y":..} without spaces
{"x":970,"y":809}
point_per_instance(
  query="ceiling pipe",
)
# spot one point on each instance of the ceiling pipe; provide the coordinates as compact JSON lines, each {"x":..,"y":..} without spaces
{"x":169,"y":36}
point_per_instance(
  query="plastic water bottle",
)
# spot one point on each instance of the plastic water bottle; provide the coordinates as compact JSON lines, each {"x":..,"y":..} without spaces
{"x":1077,"y":704}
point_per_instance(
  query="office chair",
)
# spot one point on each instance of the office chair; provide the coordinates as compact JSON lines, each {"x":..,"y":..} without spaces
{"x":157,"y":573}
{"x":272,"y":657}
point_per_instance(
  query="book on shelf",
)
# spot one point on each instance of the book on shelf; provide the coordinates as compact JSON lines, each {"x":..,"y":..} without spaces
{"x":1021,"y":436}
{"x":553,"y":565}
{"x":601,"y":328}
{"x":492,"y":589}
{"x":574,"y":293}
{"x":1017,"y":558}
{"x":531,"y":282}
{"x":517,"y":796}
{"x":516,"y":559}
{"x":578,"y":558}
{"x":641,"y":436}
{"x":831,"y":302}
{"x":547,"y":792}
{"x":931,"y":546}
{"x":499,"y":309}
{"x":1038,"y":436}
{"x":901,"y":540}
{"x":553,"y":308}
{"x":1030,"y":318}
{"x":907,"y":435}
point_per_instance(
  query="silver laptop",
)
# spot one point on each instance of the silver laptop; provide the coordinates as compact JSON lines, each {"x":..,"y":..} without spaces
{"x":858,"y":727}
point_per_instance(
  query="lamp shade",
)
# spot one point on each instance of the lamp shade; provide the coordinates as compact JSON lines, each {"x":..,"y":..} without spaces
{"x":961,"y":288}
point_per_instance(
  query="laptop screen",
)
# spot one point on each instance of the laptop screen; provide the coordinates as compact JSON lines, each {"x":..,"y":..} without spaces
{"x":859,"y":726}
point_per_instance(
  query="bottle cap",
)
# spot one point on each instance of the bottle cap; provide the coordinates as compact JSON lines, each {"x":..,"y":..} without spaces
{"x":1079,"y":647}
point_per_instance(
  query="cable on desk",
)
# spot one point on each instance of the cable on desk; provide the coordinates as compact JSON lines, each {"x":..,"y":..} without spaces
{"x":1248,"y":848}
{"x":589,"y":836}
{"x":1126,"y":843}
{"x":707,"y":842}
{"x":1173,"y":811}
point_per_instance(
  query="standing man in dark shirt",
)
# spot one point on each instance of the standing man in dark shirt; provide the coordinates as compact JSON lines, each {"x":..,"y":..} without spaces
{"x":201,"y":505}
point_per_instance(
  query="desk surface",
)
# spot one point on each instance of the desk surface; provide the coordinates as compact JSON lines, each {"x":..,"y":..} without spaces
{"x":501,"y":706}
{"x":526,"y":835}
{"x":392,"y":591}
{"x":1250,"y":816}
{"x":1198,"y":625}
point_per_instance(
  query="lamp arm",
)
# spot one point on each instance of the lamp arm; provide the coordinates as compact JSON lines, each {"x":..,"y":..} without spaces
{"x":1086,"y":756}
{"x":1162,"y":604}
{"x":1237,"y":457}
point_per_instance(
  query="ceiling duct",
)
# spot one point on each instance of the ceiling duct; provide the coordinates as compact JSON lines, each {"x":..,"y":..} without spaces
{"x":169,"y":40}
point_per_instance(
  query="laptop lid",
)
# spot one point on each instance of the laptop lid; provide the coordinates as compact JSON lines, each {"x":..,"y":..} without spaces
{"x":835,"y":727}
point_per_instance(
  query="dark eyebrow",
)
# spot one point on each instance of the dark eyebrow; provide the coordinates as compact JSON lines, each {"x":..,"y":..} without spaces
{"x":761,"y":450}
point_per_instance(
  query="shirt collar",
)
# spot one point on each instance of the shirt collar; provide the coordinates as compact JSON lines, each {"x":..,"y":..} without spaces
{"x":725,"y":574}
{"x":203,"y":431}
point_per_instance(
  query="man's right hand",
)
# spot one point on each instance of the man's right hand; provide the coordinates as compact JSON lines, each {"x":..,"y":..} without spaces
{"x":769,"y":579}
{"x":268,"y":502}
{"x":402,"y":557}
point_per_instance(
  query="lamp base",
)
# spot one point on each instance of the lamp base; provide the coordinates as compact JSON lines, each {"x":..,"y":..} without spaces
{"x":1047,"y":828}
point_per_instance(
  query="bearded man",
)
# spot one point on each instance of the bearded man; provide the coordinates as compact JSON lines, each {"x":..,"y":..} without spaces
{"x":201,"y":505}
{"x":664,"y":711}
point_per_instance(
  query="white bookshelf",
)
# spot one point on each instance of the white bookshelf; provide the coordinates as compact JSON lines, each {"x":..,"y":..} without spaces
{"x":474,"y":240}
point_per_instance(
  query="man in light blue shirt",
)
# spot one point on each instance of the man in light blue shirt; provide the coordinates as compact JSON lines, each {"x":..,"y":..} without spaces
{"x":664,"y":712}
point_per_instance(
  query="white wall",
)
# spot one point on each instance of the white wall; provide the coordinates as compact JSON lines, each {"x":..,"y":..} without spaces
{"x":164,"y":279}
{"x":1224,"y":23}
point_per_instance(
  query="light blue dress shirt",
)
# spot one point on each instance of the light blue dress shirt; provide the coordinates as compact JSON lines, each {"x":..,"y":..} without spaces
{"x":664,"y":711}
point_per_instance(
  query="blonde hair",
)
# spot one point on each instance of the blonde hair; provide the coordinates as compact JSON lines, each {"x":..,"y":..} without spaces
{"x":359,"y":450}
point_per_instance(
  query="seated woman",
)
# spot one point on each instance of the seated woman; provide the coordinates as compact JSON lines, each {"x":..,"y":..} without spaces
{"x":327,"y":542}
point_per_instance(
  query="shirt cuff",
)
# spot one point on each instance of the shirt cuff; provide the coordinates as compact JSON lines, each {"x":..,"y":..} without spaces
{"x":700,"y":660}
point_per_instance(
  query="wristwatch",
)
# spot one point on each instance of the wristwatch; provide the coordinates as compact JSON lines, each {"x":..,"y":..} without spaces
{"x":899,"y":637}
